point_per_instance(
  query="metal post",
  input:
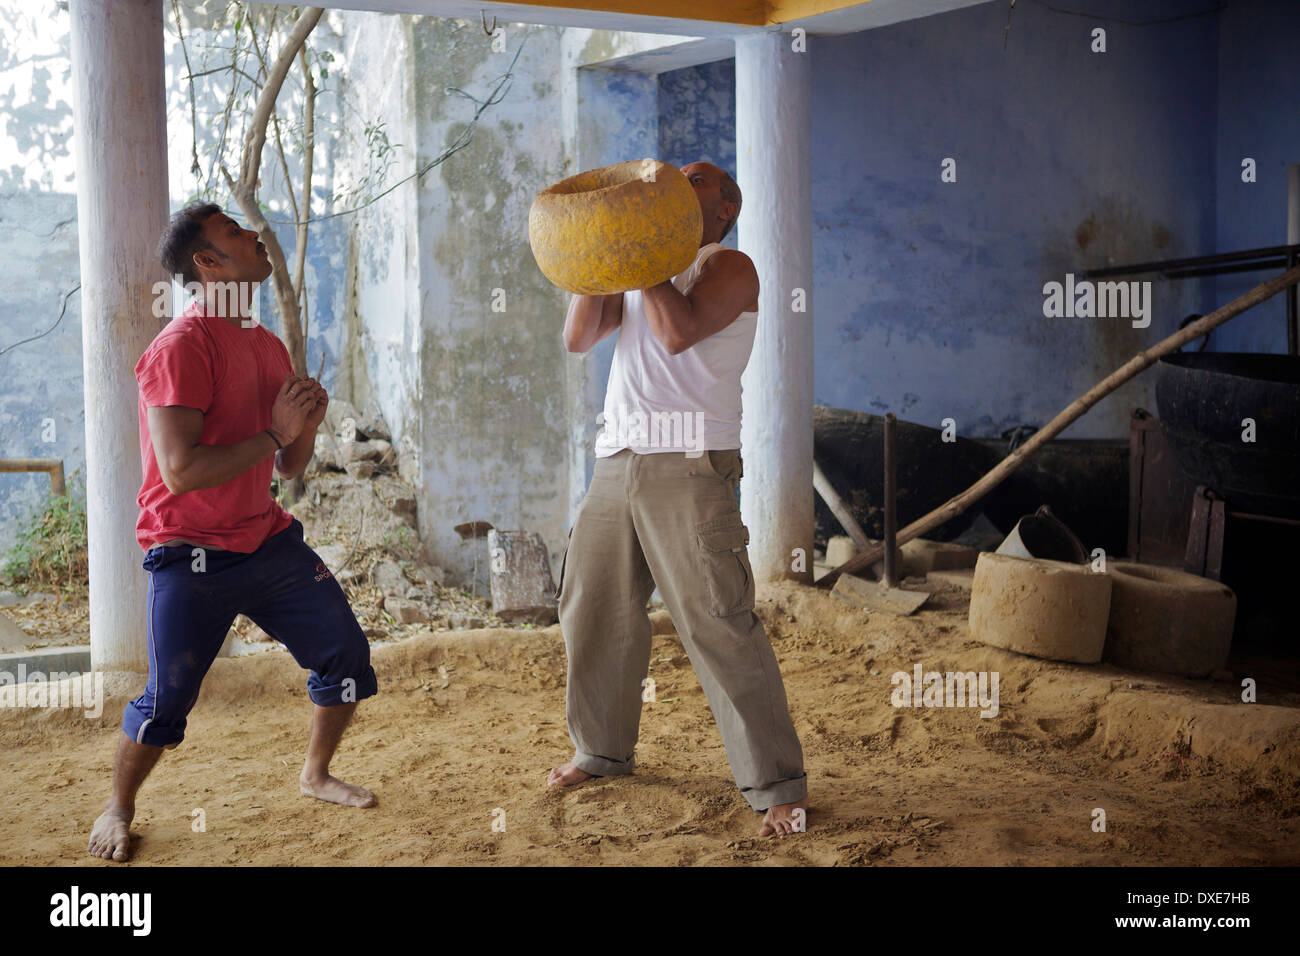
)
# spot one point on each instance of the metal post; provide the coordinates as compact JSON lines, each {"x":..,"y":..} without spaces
{"x":891,"y":511}
{"x":1292,"y":319}
{"x":1292,"y":237}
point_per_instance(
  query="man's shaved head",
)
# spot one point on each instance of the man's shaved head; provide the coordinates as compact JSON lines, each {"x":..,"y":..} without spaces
{"x":719,"y":197}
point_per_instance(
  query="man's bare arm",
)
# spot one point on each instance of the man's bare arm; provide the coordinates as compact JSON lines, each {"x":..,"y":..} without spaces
{"x":293,"y":459}
{"x":590,"y":318}
{"x":188,"y":465}
{"x":727,"y":286}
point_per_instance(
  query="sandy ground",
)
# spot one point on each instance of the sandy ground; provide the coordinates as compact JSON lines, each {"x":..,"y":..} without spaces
{"x":1185,"y":773}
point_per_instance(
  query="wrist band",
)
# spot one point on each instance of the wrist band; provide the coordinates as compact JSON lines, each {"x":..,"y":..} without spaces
{"x":274,"y":439}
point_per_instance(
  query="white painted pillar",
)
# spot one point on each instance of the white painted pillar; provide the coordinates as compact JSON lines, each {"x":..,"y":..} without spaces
{"x":120,"y":133}
{"x":773,"y":169}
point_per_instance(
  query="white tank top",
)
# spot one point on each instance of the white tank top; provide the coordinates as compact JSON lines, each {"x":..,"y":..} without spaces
{"x":689,"y":402}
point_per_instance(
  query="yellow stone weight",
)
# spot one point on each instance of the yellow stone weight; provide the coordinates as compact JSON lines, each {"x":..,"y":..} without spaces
{"x":627,"y":226}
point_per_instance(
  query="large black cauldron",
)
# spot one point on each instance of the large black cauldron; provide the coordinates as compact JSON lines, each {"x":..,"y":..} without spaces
{"x":1203,"y":398}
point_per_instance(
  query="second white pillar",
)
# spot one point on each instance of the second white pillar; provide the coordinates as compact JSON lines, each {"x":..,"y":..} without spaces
{"x":773,"y":167}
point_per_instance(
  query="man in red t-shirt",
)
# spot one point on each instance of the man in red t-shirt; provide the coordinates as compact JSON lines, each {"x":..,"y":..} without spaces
{"x":220,"y":410}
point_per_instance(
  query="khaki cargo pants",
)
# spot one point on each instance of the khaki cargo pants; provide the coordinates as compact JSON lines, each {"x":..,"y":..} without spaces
{"x":671,"y":520}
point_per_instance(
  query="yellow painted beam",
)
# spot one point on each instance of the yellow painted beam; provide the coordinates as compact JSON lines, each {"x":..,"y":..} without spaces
{"x":783,"y":11}
{"x":753,"y":13}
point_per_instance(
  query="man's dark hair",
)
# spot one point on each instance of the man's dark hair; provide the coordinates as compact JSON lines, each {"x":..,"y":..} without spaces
{"x":730,"y":193}
{"x":184,"y":237}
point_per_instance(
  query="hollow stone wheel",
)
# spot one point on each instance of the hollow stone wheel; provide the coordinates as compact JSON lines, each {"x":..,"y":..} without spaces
{"x":627,"y":226}
{"x":1168,"y":621}
{"x":1043,"y":608}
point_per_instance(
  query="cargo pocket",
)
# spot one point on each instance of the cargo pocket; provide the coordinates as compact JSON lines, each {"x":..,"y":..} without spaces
{"x":727,"y":573}
{"x":559,"y":587}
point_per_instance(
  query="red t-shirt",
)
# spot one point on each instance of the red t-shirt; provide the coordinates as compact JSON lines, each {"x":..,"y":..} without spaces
{"x":232,"y":375}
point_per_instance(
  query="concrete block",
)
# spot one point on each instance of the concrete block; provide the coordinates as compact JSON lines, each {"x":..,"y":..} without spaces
{"x":523,"y":590}
{"x":48,"y":660}
{"x":921,"y":556}
{"x":840,"y":549}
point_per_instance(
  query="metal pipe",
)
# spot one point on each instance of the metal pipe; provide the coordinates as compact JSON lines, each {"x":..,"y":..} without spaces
{"x":1292,"y":318}
{"x":891,"y":502}
{"x":1292,"y":237}
{"x":1164,"y":265}
{"x":1278,"y":263}
{"x":52,"y":465}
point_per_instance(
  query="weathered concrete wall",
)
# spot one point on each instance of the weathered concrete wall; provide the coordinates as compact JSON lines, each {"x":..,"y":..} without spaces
{"x":494,"y":430}
{"x":456,"y":331}
{"x":382,"y":315}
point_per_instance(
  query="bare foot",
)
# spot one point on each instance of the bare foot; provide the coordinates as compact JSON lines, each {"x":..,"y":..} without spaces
{"x":110,"y":837}
{"x":333,"y":790}
{"x":781,"y":819}
{"x":567,"y":776}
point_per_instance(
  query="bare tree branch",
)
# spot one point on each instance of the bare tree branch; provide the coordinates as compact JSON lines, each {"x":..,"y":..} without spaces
{"x":308,"y":159}
{"x":195,"y":168}
{"x":244,"y":190}
{"x":251,"y":160}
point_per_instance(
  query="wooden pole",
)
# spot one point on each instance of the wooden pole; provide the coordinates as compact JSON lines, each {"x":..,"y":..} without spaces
{"x":1076,"y":409}
{"x":838,"y":508}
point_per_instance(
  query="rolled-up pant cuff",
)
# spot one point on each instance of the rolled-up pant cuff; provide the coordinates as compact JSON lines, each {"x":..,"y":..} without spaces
{"x":347,"y":691}
{"x":776,"y":794}
{"x":602,"y":766}
{"x":145,"y":730}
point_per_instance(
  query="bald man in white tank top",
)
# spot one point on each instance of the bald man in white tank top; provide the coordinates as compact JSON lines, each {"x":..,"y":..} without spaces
{"x":662,"y":510}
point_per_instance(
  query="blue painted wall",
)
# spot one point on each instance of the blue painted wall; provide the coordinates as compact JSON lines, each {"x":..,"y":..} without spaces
{"x":1259,"y":117}
{"x":928,"y":294}
{"x":697,"y":119}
